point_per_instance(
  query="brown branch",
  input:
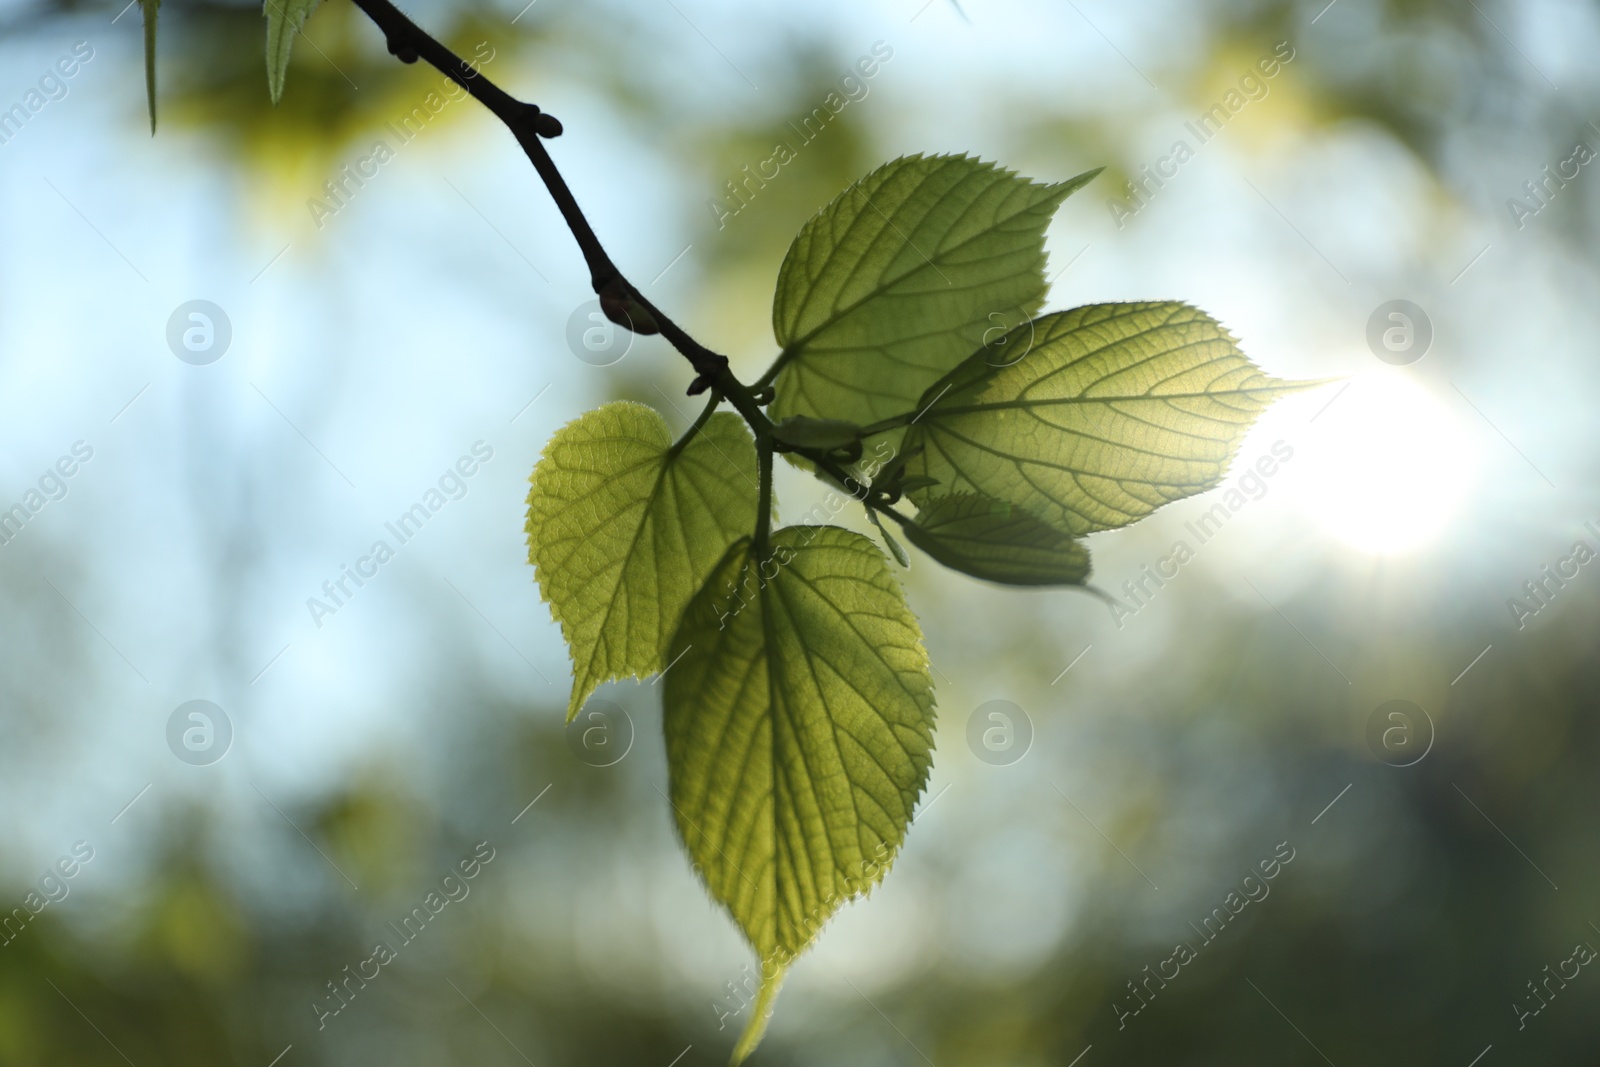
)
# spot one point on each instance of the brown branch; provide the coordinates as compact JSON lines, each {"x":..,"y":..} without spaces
{"x":621,"y":301}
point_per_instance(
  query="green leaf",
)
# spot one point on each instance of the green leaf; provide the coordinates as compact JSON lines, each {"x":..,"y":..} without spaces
{"x":799,"y":730}
{"x":920,"y":481}
{"x":806,"y":432}
{"x":148,"y":9}
{"x":1095,"y":417}
{"x":284,"y":19}
{"x":623,"y":527}
{"x":992,"y":540}
{"x":896,"y":549}
{"x":901,"y":277}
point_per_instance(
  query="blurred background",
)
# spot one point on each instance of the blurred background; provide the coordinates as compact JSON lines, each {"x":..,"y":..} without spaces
{"x":188,"y":485}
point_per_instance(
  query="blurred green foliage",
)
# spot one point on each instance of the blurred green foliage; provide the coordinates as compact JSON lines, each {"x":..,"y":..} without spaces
{"x":1402,"y":934}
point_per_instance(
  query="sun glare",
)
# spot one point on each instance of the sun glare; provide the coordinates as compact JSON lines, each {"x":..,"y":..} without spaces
{"x":1388,"y":464}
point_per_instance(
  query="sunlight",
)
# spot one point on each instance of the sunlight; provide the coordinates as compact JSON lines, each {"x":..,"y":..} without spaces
{"x":1387,"y":464}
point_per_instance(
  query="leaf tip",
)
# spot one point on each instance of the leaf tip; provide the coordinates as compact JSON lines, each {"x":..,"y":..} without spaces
{"x":148,"y":9}
{"x":1064,"y":189}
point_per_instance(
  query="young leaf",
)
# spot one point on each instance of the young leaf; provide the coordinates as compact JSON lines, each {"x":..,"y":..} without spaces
{"x":920,"y":481}
{"x":149,"y":8}
{"x":901,"y":277}
{"x":992,"y":540}
{"x":1114,"y":410}
{"x":806,"y":432}
{"x":284,"y":19}
{"x":799,"y":729}
{"x":624,"y":526}
{"x":896,"y":549}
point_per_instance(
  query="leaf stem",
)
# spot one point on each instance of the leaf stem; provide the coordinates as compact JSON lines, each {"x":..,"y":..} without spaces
{"x":771,"y":372}
{"x":700,"y":420}
{"x":764,"y":501}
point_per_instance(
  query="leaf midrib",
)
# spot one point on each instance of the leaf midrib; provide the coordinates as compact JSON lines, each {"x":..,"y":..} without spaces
{"x":667,"y":457}
{"x":840,"y":875}
{"x":1008,"y":405}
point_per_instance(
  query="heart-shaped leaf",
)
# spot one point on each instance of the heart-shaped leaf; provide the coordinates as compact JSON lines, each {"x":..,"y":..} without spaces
{"x":901,"y":277}
{"x":799,"y":729}
{"x":623,"y":527}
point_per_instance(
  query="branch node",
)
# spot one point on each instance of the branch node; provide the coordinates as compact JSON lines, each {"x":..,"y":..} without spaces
{"x":621,"y":307}
{"x":710,"y":377}
{"x":404,"y":51}
{"x":529,"y":117}
{"x":619,"y":300}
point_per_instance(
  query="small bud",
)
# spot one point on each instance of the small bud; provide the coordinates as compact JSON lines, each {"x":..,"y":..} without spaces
{"x":621,"y":308}
{"x":544,"y":125}
{"x":402,"y":51}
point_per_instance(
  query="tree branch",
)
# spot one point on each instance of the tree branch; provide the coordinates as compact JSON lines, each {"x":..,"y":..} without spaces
{"x":621,"y":301}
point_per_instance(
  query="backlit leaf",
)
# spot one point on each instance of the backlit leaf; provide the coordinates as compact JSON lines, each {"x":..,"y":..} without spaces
{"x":1095,"y":417}
{"x":896,"y":549}
{"x":806,"y":432}
{"x":996,"y":541}
{"x":799,"y":731}
{"x":149,"y":9}
{"x":901,"y":277}
{"x":623,"y":527}
{"x":284,"y":19}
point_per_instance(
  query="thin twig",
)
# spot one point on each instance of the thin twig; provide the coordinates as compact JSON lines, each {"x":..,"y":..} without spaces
{"x":620,"y":299}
